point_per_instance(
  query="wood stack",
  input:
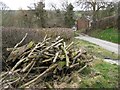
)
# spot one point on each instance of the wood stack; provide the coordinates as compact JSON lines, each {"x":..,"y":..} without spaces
{"x":27,"y":64}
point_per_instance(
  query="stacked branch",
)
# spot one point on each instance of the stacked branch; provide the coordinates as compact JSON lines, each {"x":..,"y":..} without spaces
{"x":30,"y":63}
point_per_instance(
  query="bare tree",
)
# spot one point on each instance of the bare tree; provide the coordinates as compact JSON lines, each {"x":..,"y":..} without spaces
{"x":94,"y":6}
{"x":3,"y":6}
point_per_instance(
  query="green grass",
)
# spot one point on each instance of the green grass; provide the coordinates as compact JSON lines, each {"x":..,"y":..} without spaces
{"x":102,"y":75}
{"x":94,"y":49}
{"x":110,"y":34}
{"x":77,"y":32}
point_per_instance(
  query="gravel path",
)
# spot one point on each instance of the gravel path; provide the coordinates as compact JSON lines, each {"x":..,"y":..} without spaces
{"x":104,"y":44}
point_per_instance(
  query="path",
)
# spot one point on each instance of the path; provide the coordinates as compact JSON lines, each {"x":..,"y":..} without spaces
{"x":104,"y":44}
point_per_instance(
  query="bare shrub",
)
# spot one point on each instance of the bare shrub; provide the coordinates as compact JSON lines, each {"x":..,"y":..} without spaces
{"x":107,"y":22}
{"x":12,"y":35}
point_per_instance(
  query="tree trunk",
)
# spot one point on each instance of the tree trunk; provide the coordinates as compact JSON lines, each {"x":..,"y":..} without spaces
{"x":94,"y":18}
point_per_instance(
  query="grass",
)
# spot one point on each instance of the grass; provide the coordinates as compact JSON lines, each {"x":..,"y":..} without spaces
{"x":77,"y":33}
{"x":99,"y":74}
{"x":110,"y":34}
{"x":94,"y":49}
{"x":102,"y":75}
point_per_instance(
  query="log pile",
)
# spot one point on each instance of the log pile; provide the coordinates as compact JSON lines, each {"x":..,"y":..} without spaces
{"x":28,"y":64}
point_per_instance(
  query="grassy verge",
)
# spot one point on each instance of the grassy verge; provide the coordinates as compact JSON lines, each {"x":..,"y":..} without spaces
{"x":95,"y":49}
{"x":102,"y":75}
{"x":77,"y":33}
{"x":107,"y":34}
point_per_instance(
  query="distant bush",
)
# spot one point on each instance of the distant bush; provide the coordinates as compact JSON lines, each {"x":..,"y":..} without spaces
{"x":11,"y":36}
{"x":107,"y":22}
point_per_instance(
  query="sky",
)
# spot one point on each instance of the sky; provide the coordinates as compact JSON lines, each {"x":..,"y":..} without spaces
{"x":18,"y":4}
{"x":22,"y":4}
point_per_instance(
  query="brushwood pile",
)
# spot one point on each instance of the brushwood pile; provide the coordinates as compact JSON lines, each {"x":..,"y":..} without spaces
{"x":43,"y":62}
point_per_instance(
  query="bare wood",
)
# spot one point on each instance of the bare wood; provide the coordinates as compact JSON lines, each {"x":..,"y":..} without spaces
{"x":74,"y":65}
{"x":37,"y":46}
{"x":87,"y":61}
{"x":28,"y":71}
{"x":67,"y":58}
{"x":78,"y":55}
{"x":47,"y":60}
{"x":42,"y":67}
{"x":20,"y":41}
{"x":17,"y":64}
{"x":14,"y":81}
{"x":39,"y":76}
{"x":25,"y":53}
{"x":69,"y":45}
{"x":59,"y":44}
{"x":16,"y":46}
{"x":49,"y":86}
{"x":9,"y":49}
{"x":48,"y":48}
{"x":57,"y":38}
{"x":82,"y":68}
{"x":53,"y":44}
{"x":46,"y":53}
{"x":7,"y":73}
{"x":64,"y":44}
{"x":28,"y":66}
{"x":56,"y":55}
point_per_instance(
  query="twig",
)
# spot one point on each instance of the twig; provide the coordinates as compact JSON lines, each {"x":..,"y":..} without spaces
{"x":56,"y":55}
{"x":74,"y":65}
{"x":29,"y":65}
{"x":20,"y":41}
{"x":48,"y":86}
{"x":87,"y":61}
{"x":47,"y":60}
{"x":17,"y":46}
{"x":44,"y":67}
{"x":9,"y":49}
{"x":48,"y":48}
{"x":17,"y":64}
{"x":6,"y":74}
{"x":28,"y":71}
{"x":37,"y":46}
{"x":78,"y":55}
{"x":58,"y":45}
{"x":39,"y":76}
{"x":67,"y":58}
{"x":53,"y":45}
{"x":82,"y":68}
{"x":57,"y":38}
{"x":14,"y":81}
{"x":69,"y":45}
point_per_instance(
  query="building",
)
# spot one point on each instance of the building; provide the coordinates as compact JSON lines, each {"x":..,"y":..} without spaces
{"x":83,"y":23}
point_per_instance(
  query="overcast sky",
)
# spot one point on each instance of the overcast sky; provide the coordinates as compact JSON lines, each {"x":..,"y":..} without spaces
{"x":17,"y":4}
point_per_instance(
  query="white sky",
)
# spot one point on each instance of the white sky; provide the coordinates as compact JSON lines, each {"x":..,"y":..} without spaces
{"x":17,"y":4}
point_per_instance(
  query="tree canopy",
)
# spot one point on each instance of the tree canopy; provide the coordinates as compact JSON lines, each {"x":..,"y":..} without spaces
{"x":69,"y":16}
{"x":94,"y":6}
